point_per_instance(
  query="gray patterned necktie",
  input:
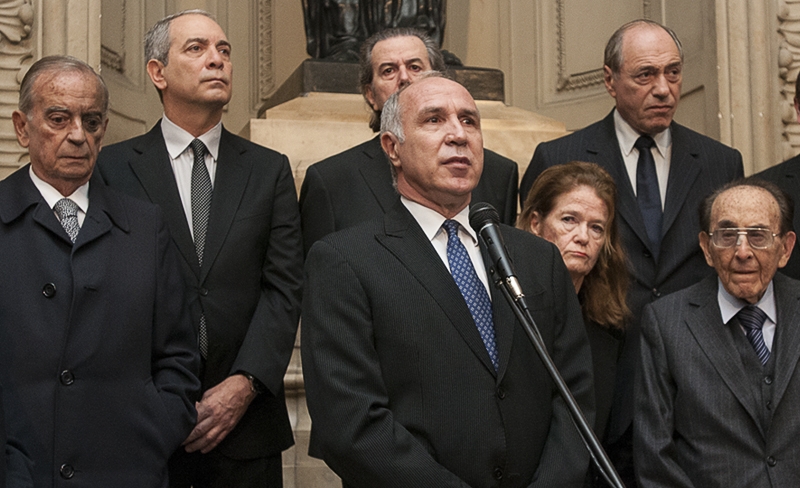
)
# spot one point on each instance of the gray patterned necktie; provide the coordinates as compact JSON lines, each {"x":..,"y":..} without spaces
{"x":752,"y":319}
{"x":471,"y":287}
{"x":67,"y":212}
{"x":201,"y":210}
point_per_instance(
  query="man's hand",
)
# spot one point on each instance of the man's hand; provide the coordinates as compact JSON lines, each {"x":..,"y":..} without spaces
{"x":218,"y":412}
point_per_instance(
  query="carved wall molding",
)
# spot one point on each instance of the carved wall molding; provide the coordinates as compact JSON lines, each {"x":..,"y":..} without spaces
{"x":16,"y":55}
{"x":265,"y":69}
{"x":788,"y":68}
{"x":115,"y":58}
{"x":574,"y":81}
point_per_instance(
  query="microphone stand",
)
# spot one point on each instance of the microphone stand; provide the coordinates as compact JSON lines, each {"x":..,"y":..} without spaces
{"x":596,"y":451}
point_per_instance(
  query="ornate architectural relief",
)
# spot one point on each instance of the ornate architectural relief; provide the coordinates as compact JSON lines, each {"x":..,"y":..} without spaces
{"x":265,"y":69}
{"x":16,"y":55}
{"x":789,"y":66}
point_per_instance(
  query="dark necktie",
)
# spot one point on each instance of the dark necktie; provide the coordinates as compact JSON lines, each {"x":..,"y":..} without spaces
{"x":752,"y":319}
{"x":471,"y":287}
{"x":67,"y":212}
{"x":201,"y":209}
{"x":647,"y":192}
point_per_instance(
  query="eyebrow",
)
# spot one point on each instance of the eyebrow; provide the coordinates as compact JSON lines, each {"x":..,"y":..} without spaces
{"x":405,"y":61}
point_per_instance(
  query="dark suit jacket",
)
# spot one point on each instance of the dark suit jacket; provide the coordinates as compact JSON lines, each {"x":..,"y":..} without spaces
{"x":787,"y":176}
{"x":250,"y":284}
{"x":356,"y":185}
{"x":400,"y":388}
{"x":698,"y":416}
{"x":96,"y":345}
{"x":699,"y":165}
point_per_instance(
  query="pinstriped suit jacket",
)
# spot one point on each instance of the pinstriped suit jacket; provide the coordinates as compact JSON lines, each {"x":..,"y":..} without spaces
{"x":698,"y":414}
{"x":400,"y":388}
{"x":698,"y":166}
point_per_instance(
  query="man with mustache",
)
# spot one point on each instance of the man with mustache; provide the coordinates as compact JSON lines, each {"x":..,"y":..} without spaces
{"x":662,"y":170}
{"x":232,"y":211}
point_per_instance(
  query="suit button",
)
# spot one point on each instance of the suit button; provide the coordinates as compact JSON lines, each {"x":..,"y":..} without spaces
{"x":66,"y":377}
{"x":203,"y":292}
{"x":772,"y":461}
{"x":769,"y":405}
{"x":49,"y":290}
{"x":768,"y":380}
{"x":647,"y":254}
{"x":656,"y":293}
{"x":498,"y":473}
{"x":501,"y":392}
{"x":67,"y":471}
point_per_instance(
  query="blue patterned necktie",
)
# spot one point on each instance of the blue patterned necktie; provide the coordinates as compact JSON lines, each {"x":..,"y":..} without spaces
{"x":67,"y":212}
{"x":471,"y":287}
{"x":647,"y":194}
{"x":201,"y":210}
{"x":752,"y":319}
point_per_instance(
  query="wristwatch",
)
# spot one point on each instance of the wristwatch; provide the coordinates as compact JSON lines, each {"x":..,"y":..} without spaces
{"x":255,"y":386}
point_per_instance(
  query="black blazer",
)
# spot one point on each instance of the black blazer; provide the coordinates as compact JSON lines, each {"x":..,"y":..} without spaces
{"x":787,"y":176}
{"x":250,"y":284}
{"x":701,"y":419}
{"x":400,"y":388}
{"x":97,"y":353}
{"x":699,"y":165}
{"x":356,"y":185}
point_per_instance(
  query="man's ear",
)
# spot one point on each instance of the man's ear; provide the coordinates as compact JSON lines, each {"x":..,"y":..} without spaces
{"x":20,"y":121}
{"x":155,"y":69}
{"x":370,"y":96}
{"x":389,"y":143}
{"x":704,"y":243}
{"x":609,"y":81}
{"x":789,"y":240}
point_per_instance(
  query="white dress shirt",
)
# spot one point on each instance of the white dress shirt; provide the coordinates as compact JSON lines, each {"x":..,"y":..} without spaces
{"x":52,"y":196}
{"x":431,"y":222}
{"x":627,"y":136}
{"x":182,"y":159}
{"x":729,"y":306}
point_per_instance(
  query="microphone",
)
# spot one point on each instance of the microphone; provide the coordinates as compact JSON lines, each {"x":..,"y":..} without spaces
{"x":483,"y":218}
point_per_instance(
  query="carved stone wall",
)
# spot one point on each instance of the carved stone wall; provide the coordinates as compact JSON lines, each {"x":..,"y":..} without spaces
{"x":16,"y":55}
{"x":788,"y":68}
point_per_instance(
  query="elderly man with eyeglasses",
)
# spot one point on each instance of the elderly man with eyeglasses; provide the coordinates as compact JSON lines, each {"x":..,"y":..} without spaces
{"x":717,"y":397}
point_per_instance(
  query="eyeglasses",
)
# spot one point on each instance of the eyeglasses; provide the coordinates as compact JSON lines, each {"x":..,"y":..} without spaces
{"x":758,"y":238}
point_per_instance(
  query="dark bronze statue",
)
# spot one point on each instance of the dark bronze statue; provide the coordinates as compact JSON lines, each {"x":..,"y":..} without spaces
{"x":335,"y":29}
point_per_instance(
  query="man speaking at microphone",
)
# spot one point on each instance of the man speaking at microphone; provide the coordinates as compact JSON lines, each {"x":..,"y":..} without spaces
{"x":416,"y":370}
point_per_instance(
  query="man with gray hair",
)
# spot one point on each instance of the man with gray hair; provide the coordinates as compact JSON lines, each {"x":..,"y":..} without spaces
{"x":232,"y":211}
{"x":662,"y":170}
{"x":354,"y":186}
{"x":98,"y":358}
{"x":417,"y":372}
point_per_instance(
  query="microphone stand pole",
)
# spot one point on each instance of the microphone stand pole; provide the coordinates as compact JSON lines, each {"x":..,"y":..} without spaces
{"x":599,"y":456}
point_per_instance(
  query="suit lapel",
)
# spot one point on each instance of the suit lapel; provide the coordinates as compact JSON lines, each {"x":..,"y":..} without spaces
{"x":787,"y":337}
{"x":683,"y":171}
{"x":233,"y":172}
{"x":605,"y":148}
{"x":406,"y":241}
{"x":708,"y":330}
{"x":374,"y":168}
{"x":102,"y":209}
{"x":152,"y":168}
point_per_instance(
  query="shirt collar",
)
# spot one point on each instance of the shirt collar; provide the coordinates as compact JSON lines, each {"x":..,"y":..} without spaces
{"x":52,"y":196}
{"x":729,"y":305}
{"x":627,"y":136}
{"x":177,"y":139}
{"x":431,"y":221}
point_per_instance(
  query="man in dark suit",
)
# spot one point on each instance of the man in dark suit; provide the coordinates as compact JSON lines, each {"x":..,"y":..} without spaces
{"x":716,"y":401}
{"x":643,"y":63}
{"x":356,"y":185}
{"x":787,"y":176}
{"x":403,"y":388}
{"x":98,"y":359}
{"x":241,"y":252}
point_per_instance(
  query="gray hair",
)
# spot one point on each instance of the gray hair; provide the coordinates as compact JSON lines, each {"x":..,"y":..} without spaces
{"x":57,"y":64}
{"x":157,"y":40}
{"x":613,"y":53}
{"x":365,"y":71}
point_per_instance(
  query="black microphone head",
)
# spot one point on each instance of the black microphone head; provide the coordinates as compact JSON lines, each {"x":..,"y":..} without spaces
{"x":482,"y":214}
